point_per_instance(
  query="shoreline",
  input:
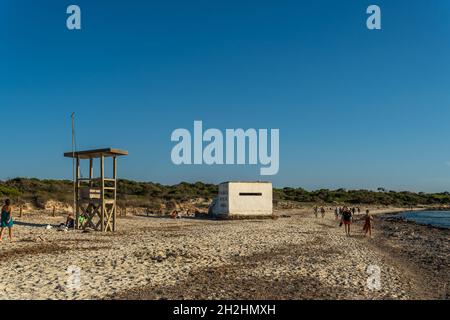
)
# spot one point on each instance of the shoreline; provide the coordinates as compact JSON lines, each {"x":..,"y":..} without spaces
{"x":394,"y":217}
{"x":420,"y":249}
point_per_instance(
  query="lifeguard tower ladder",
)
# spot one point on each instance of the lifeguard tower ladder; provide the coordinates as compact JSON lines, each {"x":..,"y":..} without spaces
{"x":95,"y":197}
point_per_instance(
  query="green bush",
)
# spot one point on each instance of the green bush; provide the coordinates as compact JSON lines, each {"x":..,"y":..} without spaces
{"x":9,"y":192}
{"x":153,"y":195}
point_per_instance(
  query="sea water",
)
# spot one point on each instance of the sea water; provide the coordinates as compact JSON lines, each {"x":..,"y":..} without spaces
{"x":434,"y":218}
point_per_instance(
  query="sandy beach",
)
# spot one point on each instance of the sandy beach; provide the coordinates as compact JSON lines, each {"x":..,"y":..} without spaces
{"x":293,"y":257}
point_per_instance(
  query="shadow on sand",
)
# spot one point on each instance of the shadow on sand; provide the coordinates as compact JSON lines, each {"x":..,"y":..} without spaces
{"x":33,"y":225}
{"x":167,"y":217}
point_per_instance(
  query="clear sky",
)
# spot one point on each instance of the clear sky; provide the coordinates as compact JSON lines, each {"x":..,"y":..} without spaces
{"x":355,"y":108}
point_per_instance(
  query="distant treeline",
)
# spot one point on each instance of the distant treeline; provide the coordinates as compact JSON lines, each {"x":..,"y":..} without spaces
{"x":152,"y":195}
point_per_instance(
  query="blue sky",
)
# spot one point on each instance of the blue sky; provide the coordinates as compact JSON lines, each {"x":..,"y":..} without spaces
{"x":355,"y":108}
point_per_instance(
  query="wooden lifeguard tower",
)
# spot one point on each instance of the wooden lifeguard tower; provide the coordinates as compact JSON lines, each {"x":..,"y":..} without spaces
{"x":95,"y":197}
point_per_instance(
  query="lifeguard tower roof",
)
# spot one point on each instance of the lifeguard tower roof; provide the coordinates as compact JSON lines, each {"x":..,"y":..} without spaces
{"x":96,"y":153}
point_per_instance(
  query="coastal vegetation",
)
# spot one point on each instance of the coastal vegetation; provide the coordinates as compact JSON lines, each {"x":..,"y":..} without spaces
{"x":152,"y":195}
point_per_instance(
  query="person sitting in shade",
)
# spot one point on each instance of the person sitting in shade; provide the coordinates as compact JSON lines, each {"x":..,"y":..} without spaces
{"x":70,"y":221}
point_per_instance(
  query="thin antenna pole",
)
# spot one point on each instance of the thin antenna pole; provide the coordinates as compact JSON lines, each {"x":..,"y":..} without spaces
{"x":74,"y":170}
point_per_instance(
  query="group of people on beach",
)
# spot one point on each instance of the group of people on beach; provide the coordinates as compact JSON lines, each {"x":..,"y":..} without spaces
{"x":6,"y":220}
{"x":321,"y":210}
{"x":346,"y":215}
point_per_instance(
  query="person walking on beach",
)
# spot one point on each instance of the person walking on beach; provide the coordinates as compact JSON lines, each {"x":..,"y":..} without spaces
{"x":322,"y":211}
{"x":347,"y":220}
{"x":336,"y":213}
{"x":316,"y":211}
{"x":6,"y":219}
{"x":368,"y":224}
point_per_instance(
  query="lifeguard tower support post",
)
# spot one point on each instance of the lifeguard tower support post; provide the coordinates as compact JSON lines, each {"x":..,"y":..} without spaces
{"x":95,"y":197}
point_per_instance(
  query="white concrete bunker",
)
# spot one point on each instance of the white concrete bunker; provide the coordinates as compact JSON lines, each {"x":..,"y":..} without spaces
{"x":239,"y":198}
